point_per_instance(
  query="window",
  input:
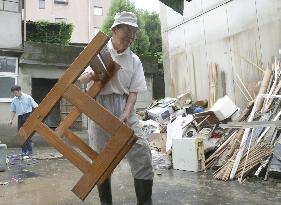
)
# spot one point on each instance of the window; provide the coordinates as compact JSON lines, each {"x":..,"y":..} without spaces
{"x":41,"y":4}
{"x":10,"y":5}
{"x":97,"y":11}
{"x":8,"y":77}
{"x":60,"y":20}
{"x":96,"y":30}
{"x":1,"y":5}
{"x":61,"y":1}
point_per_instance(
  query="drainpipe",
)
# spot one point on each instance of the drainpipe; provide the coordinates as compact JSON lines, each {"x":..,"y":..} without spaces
{"x":89,"y":25}
{"x":24,"y":23}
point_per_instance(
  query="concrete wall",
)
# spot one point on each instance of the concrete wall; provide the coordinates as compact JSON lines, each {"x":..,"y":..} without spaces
{"x":219,"y":31}
{"x":10,"y":45}
{"x":145,"y":98}
{"x":10,"y":22}
{"x":79,"y":13}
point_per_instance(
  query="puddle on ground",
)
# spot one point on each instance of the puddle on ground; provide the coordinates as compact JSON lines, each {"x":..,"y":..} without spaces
{"x":18,"y":170}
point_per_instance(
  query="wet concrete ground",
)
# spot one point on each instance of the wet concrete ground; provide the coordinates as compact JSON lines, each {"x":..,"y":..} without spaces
{"x":49,"y":182}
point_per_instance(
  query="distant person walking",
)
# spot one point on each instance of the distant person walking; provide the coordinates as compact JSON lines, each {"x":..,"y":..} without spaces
{"x":22,"y":105}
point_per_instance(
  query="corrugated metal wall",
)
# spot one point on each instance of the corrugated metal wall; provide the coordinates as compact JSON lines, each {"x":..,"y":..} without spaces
{"x":217,"y":31}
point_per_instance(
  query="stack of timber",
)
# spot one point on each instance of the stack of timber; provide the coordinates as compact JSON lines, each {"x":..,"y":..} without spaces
{"x":250,"y":142}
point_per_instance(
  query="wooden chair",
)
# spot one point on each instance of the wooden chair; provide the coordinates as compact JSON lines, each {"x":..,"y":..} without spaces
{"x":99,"y":166}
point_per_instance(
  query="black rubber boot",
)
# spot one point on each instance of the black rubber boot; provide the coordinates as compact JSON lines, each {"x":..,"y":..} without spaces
{"x":104,"y":190}
{"x":143,"y":190}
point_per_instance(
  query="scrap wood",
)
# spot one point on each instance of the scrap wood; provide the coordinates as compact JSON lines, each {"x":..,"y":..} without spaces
{"x":272,"y":88}
{"x":266,"y":130}
{"x":276,"y":106}
{"x":238,"y":159}
{"x":246,"y":112}
{"x":247,"y":60}
{"x":247,"y":155}
{"x":253,"y":124}
{"x":246,"y":135}
{"x":241,"y":90}
{"x":275,"y":92}
{"x":263,"y":165}
{"x":231,"y":148}
{"x":256,"y":155}
{"x":224,"y":172}
{"x":240,"y":80}
{"x":225,"y":147}
{"x":264,"y":85}
{"x":212,"y":84}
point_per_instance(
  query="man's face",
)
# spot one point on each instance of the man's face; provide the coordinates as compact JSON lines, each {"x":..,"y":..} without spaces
{"x":17,"y":93}
{"x":125,"y":35}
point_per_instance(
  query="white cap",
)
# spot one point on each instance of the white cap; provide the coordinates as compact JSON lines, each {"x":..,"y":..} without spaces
{"x":125,"y":17}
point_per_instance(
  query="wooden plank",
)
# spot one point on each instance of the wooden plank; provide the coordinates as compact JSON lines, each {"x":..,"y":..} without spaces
{"x":118,"y":158}
{"x":212,"y":84}
{"x":107,"y":60}
{"x":253,"y":124}
{"x":81,"y":144}
{"x":98,"y":66}
{"x":111,"y":67}
{"x":67,"y":79}
{"x":75,"y":113}
{"x":106,"y":157}
{"x":97,"y":113}
{"x":67,"y":121}
{"x":74,"y":157}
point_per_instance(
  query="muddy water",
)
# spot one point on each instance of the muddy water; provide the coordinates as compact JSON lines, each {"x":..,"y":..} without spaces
{"x":49,"y":182}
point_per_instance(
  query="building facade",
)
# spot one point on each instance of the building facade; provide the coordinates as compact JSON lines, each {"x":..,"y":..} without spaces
{"x":11,"y":47}
{"x":87,"y":16}
{"x":224,"y":32}
{"x":36,"y":67}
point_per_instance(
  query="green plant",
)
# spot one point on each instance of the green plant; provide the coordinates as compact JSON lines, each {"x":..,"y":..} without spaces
{"x":46,"y":32}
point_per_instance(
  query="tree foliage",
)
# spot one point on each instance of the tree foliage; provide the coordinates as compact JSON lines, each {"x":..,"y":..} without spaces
{"x":148,"y":41}
{"x":46,"y":32}
{"x":153,"y":28}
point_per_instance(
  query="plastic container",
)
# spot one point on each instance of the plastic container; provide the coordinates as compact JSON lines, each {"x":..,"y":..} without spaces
{"x":224,"y":108}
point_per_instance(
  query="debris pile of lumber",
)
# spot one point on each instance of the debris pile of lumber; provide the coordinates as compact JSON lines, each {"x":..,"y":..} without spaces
{"x":250,"y":141}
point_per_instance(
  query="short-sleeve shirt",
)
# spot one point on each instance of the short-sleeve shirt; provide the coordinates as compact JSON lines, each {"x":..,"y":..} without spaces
{"x":23,"y":104}
{"x":129,"y":78}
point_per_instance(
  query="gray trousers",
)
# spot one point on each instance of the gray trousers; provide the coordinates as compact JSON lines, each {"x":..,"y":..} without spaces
{"x":139,"y":157}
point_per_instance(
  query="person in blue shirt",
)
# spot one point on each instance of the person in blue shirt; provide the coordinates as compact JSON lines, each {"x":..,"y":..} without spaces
{"x":22,"y":105}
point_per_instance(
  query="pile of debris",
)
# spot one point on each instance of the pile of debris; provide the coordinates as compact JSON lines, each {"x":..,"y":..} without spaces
{"x":252,"y":143}
{"x":237,"y":144}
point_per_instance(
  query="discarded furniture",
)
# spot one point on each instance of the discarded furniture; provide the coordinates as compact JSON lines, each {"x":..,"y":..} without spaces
{"x":99,"y":166}
{"x":188,"y":154}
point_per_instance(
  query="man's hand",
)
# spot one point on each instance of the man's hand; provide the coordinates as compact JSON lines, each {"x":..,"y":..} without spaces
{"x":97,"y":76}
{"x":10,"y":122}
{"x":124,"y":118}
{"x":128,"y":108}
{"x":90,"y":75}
